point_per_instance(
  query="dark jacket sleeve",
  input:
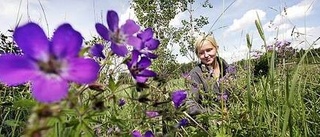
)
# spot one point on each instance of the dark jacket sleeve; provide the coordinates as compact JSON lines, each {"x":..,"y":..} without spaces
{"x":194,"y":98}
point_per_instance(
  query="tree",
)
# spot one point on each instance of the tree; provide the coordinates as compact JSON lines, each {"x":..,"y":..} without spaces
{"x":158,"y":14}
{"x":7,"y":45}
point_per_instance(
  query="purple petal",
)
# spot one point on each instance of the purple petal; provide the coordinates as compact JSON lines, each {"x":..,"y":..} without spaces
{"x":151,"y":55}
{"x":112,"y":20}
{"x":135,"y":42}
{"x":146,"y":34}
{"x":136,"y":133}
{"x":144,"y":63}
{"x":152,"y":114}
{"x":66,"y":41}
{"x":130,"y":27}
{"x":135,"y":56}
{"x":147,"y":73}
{"x":120,"y":50}
{"x":178,"y":97}
{"x":32,"y":40}
{"x":15,"y":70}
{"x":102,"y":31}
{"x":183,"y":122}
{"x":152,"y":44}
{"x":49,"y":88}
{"x":121,"y":102}
{"x":141,"y":79}
{"x":96,"y":51}
{"x":148,"y":134}
{"x":82,"y":71}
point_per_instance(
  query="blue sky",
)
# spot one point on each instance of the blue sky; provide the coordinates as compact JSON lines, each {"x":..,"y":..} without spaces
{"x":234,"y":24}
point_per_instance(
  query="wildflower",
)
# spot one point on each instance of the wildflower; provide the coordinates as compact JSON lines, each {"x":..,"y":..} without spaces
{"x":113,"y":130}
{"x":109,"y":131}
{"x":186,"y":76}
{"x":183,"y":122}
{"x":121,"y":102}
{"x":96,"y":51}
{"x":47,"y":63}
{"x":282,"y":44}
{"x":223,"y":96}
{"x":256,"y":54}
{"x":231,"y":69}
{"x":178,"y":97}
{"x":148,"y":134}
{"x":152,"y":114}
{"x":138,"y":68}
{"x":119,"y":37}
{"x":149,"y":43}
{"x":270,"y":48}
{"x":136,"y":133}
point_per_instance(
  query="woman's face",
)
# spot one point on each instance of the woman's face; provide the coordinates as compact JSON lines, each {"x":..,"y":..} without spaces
{"x":207,"y":53}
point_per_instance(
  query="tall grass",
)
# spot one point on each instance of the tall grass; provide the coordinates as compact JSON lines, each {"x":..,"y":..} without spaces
{"x":285,"y":102}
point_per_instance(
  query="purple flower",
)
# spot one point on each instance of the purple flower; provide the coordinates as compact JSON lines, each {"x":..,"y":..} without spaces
{"x":119,"y":37}
{"x":231,"y":69}
{"x":256,"y":54}
{"x":149,"y":43}
{"x":282,"y":44}
{"x":136,"y":133}
{"x":183,"y":122}
{"x":138,"y":68}
{"x":148,"y":134}
{"x":109,"y":131}
{"x":48,"y":65}
{"x":178,"y":97}
{"x":121,"y":102}
{"x":96,"y":51}
{"x":223,"y":96}
{"x":186,"y":76}
{"x":152,"y":114}
{"x":270,"y":48}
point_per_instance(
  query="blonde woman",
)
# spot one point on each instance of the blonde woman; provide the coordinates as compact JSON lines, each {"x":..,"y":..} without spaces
{"x":205,"y":76}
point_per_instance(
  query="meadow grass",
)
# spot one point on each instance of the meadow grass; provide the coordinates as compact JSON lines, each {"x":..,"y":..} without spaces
{"x":283,"y":103}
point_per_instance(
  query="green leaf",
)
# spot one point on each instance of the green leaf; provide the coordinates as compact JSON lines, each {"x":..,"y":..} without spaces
{"x":249,"y":44}
{"x":12,"y":123}
{"x":72,"y":123}
{"x":24,"y":103}
{"x":112,"y":85}
{"x":83,"y":51}
{"x":260,"y":30}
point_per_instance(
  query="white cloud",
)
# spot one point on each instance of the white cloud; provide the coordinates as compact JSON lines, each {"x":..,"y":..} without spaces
{"x":301,"y":37}
{"x":13,"y":12}
{"x":280,"y":27}
{"x":234,"y":54}
{"x":82,"y":15}
{"x":286,"y":16}
{"x":305,"y":37}
{"x":176,"y":21}
{"x":246,"y":20}
{"x":302,"y":9}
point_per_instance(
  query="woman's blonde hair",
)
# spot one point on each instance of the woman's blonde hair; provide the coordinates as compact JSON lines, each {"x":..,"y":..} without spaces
{"x":201,"y":39}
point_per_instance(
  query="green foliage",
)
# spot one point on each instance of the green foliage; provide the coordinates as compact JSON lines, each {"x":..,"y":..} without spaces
{"x":158,"y":14}
{"x":269,"y":97}
{"x":7,"y":45}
